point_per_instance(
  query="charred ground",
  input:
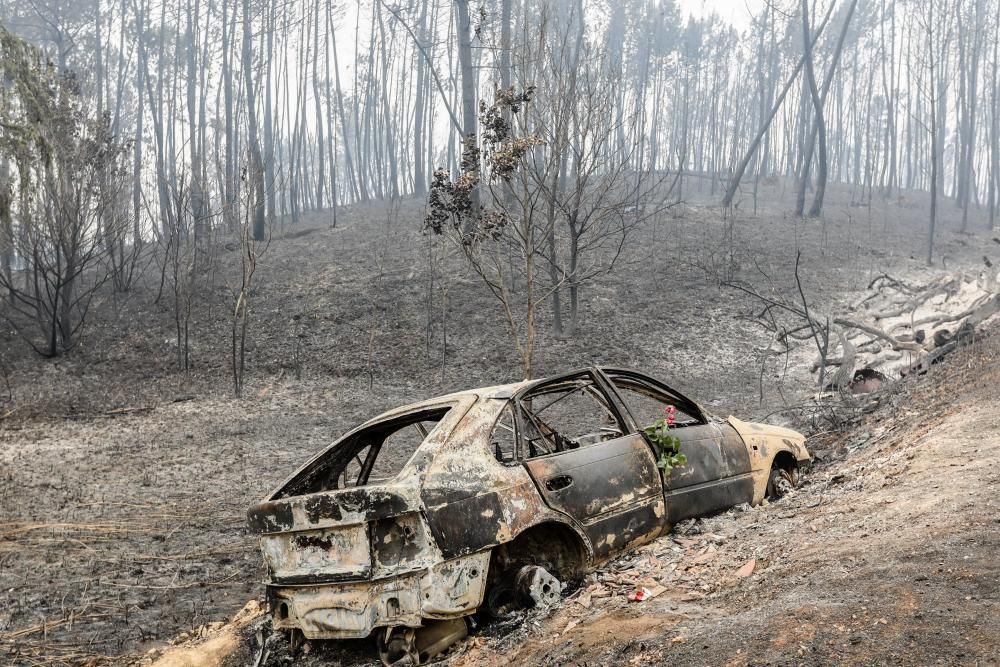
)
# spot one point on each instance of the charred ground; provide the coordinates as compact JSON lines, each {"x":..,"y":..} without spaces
{"x":125,"y":481}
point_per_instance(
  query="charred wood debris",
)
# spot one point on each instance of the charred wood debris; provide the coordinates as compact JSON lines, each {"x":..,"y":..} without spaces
{"x":860,"y":351}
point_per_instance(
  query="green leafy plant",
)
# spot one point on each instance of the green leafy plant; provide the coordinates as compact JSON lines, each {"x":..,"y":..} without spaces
{"x":668,"y":446}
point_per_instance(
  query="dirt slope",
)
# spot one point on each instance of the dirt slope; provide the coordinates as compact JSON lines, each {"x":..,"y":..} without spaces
{"x":886,"y":556}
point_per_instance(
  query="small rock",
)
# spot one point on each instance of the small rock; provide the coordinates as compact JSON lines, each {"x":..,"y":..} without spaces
{"x":747,"y":569}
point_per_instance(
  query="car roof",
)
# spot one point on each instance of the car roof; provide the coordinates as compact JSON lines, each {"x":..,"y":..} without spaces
{"x":498,"y":391}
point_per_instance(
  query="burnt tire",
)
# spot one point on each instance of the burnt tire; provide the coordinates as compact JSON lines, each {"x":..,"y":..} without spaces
{"x":521,"y":587}
{"x":780,"y":482}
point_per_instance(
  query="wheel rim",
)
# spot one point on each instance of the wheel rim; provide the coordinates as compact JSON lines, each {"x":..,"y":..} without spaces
{"x":780,"y":483}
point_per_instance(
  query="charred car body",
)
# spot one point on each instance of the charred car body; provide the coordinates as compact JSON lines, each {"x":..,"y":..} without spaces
{"x":419,"y":517}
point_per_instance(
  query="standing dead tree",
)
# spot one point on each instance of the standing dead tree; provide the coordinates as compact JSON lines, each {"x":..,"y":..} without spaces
{"x":59,"y":199}
{"x":187,"y":260}
{"x":250,"y":251}
{"x":257,"y":166}
{"x":593,"y":196}
{"x":593,"y":200}
{"x":120,"y":226}
{"x":818,"y":98}
{"x":937,"y":29}
{"x":765,"y":124}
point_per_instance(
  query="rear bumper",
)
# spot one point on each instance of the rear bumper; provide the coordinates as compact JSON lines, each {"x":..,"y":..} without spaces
{"x":341,"y":611}
{"x":450,"y":589}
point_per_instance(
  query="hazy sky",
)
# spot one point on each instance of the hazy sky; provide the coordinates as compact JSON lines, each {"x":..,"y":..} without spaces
{"x":737,"y":12}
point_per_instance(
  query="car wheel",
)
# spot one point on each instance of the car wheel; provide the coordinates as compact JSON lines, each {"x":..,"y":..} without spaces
{"x":781,"y":482}
{"x":522,"y":586}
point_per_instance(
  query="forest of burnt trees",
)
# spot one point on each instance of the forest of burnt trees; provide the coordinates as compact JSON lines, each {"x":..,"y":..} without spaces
{"x":168,"y":125}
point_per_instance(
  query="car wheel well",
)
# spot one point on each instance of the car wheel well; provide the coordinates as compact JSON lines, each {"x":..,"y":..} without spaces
{"x":785,"y":461}
{"x":553,"y":545}
{"x":783,"y":476}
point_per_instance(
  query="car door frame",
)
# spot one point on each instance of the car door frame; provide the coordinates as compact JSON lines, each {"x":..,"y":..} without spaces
{"x":681,"y":401}
{"x":629,"y":525}
{"x":704,"y":496}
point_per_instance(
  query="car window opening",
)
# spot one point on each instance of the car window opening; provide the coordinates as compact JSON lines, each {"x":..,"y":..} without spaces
{"x":372,"y":455}
{"x":576,"y":416}
{"x":647,"y":404}
{"x":504,"y":438}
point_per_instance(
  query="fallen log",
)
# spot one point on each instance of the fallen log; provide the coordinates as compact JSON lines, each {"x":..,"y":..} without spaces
{"x":923,"y":364}
{"x":846,"y":369}
{"x":949,"y":285}
{"x":985,"y":306}
{"x":881,"y":335}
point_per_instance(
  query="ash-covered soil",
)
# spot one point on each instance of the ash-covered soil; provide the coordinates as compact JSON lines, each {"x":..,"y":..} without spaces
{"x":885,"y":555}
{"x":124,"y":481}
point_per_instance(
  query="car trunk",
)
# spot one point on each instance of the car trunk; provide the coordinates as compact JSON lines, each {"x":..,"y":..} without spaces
{"x":310,"y":556}
{"x":351,"y":513}
{"x":326,"y":537}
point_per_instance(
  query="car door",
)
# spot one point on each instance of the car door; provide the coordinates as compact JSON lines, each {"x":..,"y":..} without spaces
{"x":717,"y":472}
{"x":577,"y":447}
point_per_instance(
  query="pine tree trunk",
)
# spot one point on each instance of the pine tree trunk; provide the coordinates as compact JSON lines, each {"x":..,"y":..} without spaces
{"x":256,"y":160}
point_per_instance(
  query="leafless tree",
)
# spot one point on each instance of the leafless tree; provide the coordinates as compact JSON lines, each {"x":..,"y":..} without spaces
{"x":62,"y":158}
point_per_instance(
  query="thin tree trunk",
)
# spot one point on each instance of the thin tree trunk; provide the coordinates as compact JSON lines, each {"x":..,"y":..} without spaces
{"x":994,"y":181}
{"x":469,"y":130}
{"x":934,"y":132}
{"x":267,"y":176}
{"x":256,"y":160}
{"x":317,"y":97}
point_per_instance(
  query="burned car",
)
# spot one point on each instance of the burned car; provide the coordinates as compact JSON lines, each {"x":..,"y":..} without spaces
{"x":489,"y":498}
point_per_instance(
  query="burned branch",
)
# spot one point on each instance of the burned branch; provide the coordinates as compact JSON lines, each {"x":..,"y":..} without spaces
{"x":897,"y":345}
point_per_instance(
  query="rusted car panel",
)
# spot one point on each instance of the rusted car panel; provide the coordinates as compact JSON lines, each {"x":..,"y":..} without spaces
{"x":471,"y":501}
{"x":327,"y":554}
{"x":717,"y":475}
{"x":352,"y":610}
{"x":765,"y":445}
{"x":340,"y":508}
{"x":605,"y":479}
{"x":612,"y":489}
{"x":619,"y":532}
{"x":555,"y":472}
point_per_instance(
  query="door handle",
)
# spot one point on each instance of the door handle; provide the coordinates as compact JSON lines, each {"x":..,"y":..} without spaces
{"x":558,"y":482}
